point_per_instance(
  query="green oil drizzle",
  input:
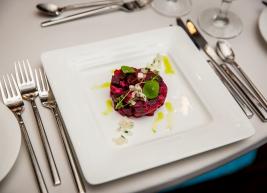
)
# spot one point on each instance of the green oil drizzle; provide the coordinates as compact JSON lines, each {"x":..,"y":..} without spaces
{"x":159,"y":118}
{"x":170,"y":110}
{"x":168,"y":66}
{"x":109,"y":107}
{"x":105,"y":85}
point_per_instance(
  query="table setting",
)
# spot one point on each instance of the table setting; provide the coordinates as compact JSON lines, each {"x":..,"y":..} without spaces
{"x":128,"y":96}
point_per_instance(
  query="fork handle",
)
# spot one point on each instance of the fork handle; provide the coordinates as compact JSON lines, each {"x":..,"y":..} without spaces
{"x":34,"y":161}
{"x":47,"y":148}
{"x":69,"y":150}
{"x":80,"y":15}
{"x":252,"y":86}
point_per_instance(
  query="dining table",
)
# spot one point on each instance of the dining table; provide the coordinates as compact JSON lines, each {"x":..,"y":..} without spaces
{"x":22,"y":37}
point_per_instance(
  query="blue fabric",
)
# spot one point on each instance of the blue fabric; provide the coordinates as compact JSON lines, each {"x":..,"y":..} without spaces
{"x":226,"y":169}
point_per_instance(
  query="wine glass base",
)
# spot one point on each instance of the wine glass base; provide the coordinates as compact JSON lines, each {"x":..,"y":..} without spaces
{"x":220,"y":28}
{"x":172,"y":8}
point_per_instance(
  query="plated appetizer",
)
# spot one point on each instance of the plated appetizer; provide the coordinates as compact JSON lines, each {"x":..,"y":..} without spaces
{"x":138,"y":92}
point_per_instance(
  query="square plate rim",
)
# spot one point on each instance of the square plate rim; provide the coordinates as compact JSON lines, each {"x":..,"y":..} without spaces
{"x":170,"y":30}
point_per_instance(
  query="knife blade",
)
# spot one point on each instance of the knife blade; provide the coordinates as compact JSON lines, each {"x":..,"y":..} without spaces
{"x":232,"y":80}
{"x":201,"y":43}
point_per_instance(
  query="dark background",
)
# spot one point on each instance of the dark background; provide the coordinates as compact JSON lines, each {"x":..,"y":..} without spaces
{"x":252,"y":179}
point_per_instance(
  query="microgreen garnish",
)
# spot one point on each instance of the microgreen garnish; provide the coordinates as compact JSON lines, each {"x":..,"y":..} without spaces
{"x":151,"y":89}
{"x":127,"y":69}
{"x":120,"y":104}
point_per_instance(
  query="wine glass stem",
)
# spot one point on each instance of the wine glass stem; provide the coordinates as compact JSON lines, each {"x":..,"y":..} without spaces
{"x":222,"y":15}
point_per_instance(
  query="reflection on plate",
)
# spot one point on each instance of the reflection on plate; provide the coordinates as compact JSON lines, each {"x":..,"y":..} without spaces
{"x":199,"y":113}
{"x":263,"y":24}
{"x":10,"y":140}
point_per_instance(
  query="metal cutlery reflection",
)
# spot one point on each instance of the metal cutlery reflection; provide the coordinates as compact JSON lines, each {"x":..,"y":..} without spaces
{"x":229,"y":75}
{"x":13,"y":100}
{"x":54,"y":10}
{"x":226,"y":53}
{"x":126,"y":7}
{"x":201,"y":43}
{"x":48,"y":101}
{"x":232,"y":89}
{"x":28,"y":89}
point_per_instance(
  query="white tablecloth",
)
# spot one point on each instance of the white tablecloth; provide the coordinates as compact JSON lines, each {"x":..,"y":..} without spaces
{"x":22,"y":37}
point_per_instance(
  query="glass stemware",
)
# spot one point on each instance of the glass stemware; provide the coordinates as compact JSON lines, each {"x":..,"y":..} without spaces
{"x":220,"y":22}
{"x":172,"y":8}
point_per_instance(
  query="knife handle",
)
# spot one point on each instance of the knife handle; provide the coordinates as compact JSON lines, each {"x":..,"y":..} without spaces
{"x":248,"y":96}
{"x":241,"y":102}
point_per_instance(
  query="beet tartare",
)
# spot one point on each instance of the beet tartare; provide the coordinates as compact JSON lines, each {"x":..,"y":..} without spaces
{"x":137,"y":92}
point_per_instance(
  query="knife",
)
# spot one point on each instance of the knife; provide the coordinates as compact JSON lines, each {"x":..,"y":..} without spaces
{"x":201,"y":43}
{"x":226,"y":72}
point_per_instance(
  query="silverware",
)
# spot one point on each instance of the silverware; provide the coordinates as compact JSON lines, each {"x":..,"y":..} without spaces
{"x":230,"y":76}
{"x":54,"y":10}
{"x":126,"y":7}
{"x":234,"y":92}
{"x":28,"y":89}
{"x":249,"y":97}
{"x":47,"y":99}
{"x":201,"y":43}
{"x":12,"y":99}
{"x":226,"y":53}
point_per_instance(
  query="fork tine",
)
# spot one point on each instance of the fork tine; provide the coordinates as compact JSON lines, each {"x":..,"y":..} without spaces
{"x":10,"y":85}
{"x":26,"y":72}
{"x":7,"y":90}
{"x":42,"y":80}
{"x":30,"y":70}
{"x":2,"y":92}
{"x":17,"y":73}
{"x":15,"y":85}
{"x":21,"y":74}
{"x":37,"y":80}
{"x":46,"y":81}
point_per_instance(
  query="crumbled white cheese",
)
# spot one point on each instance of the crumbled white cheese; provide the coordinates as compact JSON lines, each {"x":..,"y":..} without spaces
{"x":132,"y":102}
{"x":125,"y":123}
{"x":120,"y":140}
{"x":131,"y":87}
{"x":125,"y":126}
{"x":143,"y":70}
{"x":156,"y":64}
{"x":140,"y":75}
{"x":140,"y":95}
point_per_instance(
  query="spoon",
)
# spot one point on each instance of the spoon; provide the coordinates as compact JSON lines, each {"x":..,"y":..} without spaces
{"x":126,"y":7}
{"x":54,"y":10}
{"x":226,"y":53}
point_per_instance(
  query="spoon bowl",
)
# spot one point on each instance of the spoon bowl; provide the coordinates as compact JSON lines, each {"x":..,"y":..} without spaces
{"x":226,"y":53}
{"x":49,"y":9}
{"x":54,"y":10}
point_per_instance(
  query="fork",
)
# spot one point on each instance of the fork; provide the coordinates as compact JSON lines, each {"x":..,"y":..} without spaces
{"x":28,"y":89}
{"x":47,"y":99}
{"x":12,"y":99}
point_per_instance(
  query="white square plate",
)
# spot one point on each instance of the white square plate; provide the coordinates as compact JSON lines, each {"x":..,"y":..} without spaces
{"x":205,"y":115}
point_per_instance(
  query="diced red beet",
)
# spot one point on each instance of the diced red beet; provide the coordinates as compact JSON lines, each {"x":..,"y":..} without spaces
{"x":120,"y":83}
{"x":117,"y":72}
{"x":123,"y":84}
{"x":115,"y":90}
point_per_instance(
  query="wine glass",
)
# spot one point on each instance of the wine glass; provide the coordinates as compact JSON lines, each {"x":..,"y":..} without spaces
{"x":220,"y":22}
{"x":172,"y":8}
